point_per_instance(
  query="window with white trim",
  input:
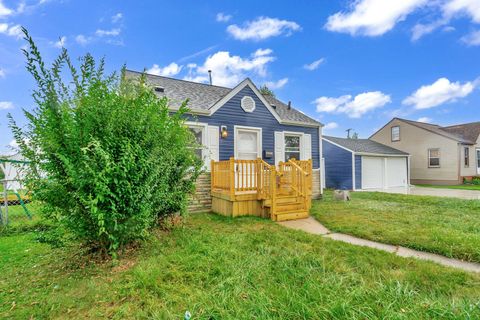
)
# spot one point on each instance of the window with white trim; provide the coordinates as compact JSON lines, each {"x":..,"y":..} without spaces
{"x":199,"y":135}
{"x":292,"y":147}
{"x":434,"y":158}
{"x":396,"y":133}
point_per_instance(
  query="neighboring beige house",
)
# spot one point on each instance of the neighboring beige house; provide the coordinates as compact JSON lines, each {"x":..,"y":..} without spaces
{"x":439,"y":155}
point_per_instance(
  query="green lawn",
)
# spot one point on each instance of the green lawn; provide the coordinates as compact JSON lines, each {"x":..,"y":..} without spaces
{"x":460,"y":186}
{"x":447,"y":226}
{"x":221,"y":268}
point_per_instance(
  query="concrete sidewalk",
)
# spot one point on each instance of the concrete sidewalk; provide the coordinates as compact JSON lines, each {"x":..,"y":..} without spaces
{"x":311,"y":225}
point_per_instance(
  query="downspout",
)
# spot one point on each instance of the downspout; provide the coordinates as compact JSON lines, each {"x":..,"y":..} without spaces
{"x":320,"y":150}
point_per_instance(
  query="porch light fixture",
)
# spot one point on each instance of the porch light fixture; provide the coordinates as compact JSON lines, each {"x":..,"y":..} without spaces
{"x":224,"y":132}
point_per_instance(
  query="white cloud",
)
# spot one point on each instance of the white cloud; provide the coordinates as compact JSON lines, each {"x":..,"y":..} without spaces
{"x":277,"y":84}
{"x":2,"y":73}
{"x":108,"y":33}
{"x":4,"y":105}
{"x":330,"y":126}
{"x":222,"y":17}
{"x":314,"y":65}
{"x":4,"y":11}
{"x":372,"y":17}
{"x":424,"y":119}
{"x":171,"y":70}
{"x":353,"y":107}
{"x":117,"y":17}
{"x":472,"y":39}
{"x":12,"y":31}
{"x":262,"y":28}
{"x":228,"y":70}
{"x":61,"y":42}
{"x":439,"y":92}
{"x":82,"y":40}
{"x":470,"y":8}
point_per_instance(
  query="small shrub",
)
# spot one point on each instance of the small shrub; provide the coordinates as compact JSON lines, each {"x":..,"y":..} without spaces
{"x":107,"y":158}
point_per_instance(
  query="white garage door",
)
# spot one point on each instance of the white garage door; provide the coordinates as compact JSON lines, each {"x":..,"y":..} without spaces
{"x":372,"y":172}
{"x":396,"y":172}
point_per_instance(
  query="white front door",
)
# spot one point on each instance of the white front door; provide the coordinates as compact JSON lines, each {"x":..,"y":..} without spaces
{"x":478,"y":161}
{"x":248,"y":146}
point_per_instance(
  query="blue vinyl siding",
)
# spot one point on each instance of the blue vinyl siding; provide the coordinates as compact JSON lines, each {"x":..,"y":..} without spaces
{"x":358,"y":172}
{"x":231,"y":114}
{"x":338,"y":167}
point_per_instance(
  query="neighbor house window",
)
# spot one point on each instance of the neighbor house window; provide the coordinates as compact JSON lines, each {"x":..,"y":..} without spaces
{"x":292,"y":147}
{"x":199,"y":133}
{"x":434,"y":158}
{"x":466,"y":154}
{"x":396,"y":133}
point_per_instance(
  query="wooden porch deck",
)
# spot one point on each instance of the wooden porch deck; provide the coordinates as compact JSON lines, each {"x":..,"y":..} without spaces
{"x":254,"y":187}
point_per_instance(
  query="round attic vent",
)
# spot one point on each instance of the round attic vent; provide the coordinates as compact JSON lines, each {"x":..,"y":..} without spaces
{"x":248,"y":104}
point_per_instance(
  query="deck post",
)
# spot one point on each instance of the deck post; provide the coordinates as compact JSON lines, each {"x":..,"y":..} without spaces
{"x":273,"y":183}
{"x":232,"y":178}
{"x":259,"y":171}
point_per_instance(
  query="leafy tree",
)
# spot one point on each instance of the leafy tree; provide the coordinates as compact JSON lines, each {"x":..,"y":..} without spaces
{"x":264,"y":90}
{"x":107,"y":158}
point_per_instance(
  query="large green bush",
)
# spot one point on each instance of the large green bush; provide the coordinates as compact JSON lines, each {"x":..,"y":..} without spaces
{"x":107,"y":158}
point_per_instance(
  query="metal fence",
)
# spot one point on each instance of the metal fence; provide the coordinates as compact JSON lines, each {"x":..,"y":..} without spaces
{"x":13,"y":200}
{"x":13,"y":196}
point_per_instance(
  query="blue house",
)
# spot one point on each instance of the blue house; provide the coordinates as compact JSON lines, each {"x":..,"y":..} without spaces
{"x":242,"y":123}
{"x":362,"y":164}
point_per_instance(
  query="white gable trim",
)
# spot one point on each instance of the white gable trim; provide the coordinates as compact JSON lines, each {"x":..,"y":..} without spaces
{"x":236,"y":90}
{"x":336,"y":144}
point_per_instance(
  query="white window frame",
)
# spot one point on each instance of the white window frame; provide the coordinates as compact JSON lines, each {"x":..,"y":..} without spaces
{"x":439,"y":158}
{"x":301,"y":143}
{"x":258,"y":130}
{"x":204,"y":127}
{"x":477,"y":153}
{"x":391,"y":133}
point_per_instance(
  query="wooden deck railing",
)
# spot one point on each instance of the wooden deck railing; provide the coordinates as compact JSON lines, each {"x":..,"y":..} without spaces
{"x":237,"y":176}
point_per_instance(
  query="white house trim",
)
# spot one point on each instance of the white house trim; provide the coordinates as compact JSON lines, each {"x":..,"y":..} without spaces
{"x":353,"y":172}
{"x":336,"y":144}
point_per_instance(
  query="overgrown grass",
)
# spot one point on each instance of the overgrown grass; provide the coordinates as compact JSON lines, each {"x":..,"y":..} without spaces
{"x":460,"y":186}
{"x":221,"y":268}
{"x":18,"y":220}
{"x":447,"y":226}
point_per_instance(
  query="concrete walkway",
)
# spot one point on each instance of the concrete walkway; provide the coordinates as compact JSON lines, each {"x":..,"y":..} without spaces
{"x":311,"y":225}
{"x":436,"y":192}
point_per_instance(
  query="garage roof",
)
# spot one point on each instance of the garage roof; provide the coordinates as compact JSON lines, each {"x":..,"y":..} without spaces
{"x":366,"y":146}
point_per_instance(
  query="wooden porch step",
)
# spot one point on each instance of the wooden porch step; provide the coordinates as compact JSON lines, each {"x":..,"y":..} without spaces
{"x":290,"y":206}
{"x":291,"y":215}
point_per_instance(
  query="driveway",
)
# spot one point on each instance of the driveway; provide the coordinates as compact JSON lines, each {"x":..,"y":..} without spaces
{"x":437,"y":192}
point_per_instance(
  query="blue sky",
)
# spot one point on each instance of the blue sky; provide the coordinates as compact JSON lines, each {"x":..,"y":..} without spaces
{"x":349,"y":64}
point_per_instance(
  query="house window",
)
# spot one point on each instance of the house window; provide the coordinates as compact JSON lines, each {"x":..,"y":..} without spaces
{"x":396,"y":133}
{"x":466,"y":154}
{"x":433,"y":158}
{"x":199,"y":134}
{"x":292,"y":147}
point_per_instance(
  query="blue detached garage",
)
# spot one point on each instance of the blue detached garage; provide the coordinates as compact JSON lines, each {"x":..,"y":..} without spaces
{"x":357,"y":164}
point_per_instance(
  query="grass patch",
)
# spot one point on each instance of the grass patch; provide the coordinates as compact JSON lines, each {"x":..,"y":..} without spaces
{"x":440,"y":225}
{"x":460,"y":186}
{"x":221,"y":268}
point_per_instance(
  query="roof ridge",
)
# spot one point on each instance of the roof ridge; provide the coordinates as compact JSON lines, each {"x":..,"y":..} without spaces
{"x":408,"y":120}
{"x":462,"y":124}
{"x":183,"y":80}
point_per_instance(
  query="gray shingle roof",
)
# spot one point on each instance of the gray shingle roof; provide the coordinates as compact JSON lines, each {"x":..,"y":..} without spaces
{"x":467,"y":131}
{"x":365,"y":146}
{"x":203,"y":96}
